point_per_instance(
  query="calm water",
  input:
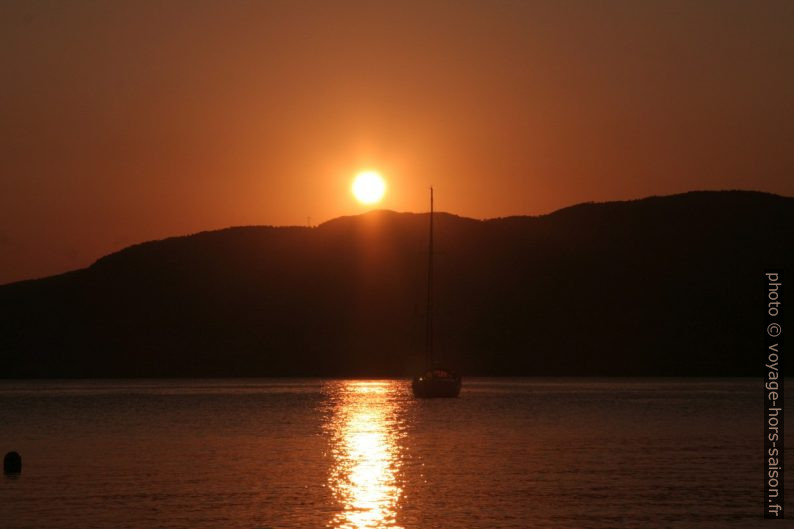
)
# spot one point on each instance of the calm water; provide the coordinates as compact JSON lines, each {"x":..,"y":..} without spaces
{"x":510,"y":453}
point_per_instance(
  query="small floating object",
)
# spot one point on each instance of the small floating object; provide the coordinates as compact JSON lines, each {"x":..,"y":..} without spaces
{"x":12,"y":463}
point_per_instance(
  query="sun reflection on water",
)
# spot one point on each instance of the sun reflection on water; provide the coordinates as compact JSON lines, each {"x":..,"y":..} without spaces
{"x":365,"y":429}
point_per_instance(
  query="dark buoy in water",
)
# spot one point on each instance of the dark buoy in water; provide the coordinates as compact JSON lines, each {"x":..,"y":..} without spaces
{"x":12,"y":463}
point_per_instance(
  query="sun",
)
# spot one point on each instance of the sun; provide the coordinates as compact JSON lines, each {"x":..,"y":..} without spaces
{"x":368,"y":187}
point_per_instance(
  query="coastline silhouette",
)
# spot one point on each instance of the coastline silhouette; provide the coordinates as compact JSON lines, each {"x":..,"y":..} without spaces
{"x":657,"y":286}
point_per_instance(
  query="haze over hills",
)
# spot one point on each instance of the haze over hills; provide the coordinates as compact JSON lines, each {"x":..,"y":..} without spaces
{"x":659,"y":286}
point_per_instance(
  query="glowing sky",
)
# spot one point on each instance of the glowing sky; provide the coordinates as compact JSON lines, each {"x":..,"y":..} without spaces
{"x":126,"y":121}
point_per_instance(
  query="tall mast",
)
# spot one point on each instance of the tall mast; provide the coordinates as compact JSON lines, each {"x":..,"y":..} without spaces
{"x":429,"y":334}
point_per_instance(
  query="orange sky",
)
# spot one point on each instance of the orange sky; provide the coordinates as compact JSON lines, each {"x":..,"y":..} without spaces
{"x":127,"y":121}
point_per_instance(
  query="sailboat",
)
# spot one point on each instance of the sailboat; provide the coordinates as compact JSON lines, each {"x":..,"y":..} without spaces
{"x":434,"y":380}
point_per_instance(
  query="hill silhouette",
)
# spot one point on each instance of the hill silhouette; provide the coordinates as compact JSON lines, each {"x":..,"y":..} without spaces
{"x":659,"y":286}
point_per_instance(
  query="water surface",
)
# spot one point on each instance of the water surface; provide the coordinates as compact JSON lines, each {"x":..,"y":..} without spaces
{"x":311,"y":453}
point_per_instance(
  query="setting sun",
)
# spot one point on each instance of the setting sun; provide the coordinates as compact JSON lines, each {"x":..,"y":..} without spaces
{"x":368,"y":187}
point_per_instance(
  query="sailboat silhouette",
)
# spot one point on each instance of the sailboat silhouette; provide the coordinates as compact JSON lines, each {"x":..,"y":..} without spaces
{"x":434,"y":380}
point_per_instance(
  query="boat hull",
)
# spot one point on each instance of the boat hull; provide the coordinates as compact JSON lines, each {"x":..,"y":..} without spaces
{"x":428,"y":386}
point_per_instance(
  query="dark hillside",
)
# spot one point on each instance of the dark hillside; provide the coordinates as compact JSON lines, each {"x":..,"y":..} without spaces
{"x":659,"y":286}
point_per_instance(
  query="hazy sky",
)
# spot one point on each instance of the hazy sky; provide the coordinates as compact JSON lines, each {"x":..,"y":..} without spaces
{"x":127,"y":121}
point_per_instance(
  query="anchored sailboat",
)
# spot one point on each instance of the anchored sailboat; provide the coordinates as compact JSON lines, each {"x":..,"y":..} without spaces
{"x":434,"y":381}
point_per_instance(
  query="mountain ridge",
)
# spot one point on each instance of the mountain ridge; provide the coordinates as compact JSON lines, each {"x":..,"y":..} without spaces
{"x":656,"y":286}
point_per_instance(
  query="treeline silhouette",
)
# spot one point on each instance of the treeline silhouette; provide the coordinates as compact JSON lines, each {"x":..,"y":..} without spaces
{"x":659,"y":286}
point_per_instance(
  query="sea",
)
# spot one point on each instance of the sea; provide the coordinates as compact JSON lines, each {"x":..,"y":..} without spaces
{"x":317,"y":453}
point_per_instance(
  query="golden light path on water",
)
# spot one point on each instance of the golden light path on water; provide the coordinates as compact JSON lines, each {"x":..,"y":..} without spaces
{"x":365,"y":429}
